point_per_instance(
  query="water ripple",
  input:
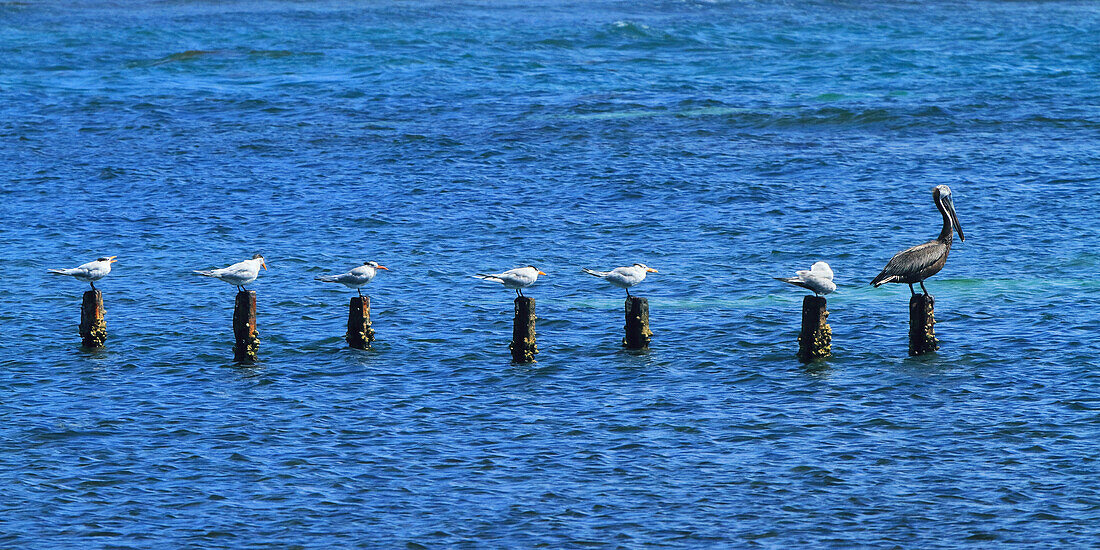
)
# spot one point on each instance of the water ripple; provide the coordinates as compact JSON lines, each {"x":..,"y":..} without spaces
{"x":722,"y":142}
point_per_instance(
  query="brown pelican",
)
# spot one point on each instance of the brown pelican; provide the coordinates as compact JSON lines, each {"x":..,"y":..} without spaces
{"x":916,"y":264}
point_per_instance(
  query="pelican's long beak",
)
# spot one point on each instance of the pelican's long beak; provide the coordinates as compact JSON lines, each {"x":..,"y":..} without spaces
{"x":263,"y":263}
{"x":541,"y":273}
{"x":651,"y":270}
{"x":950,"y":205}
{"x":383,"y":267}
{"x":112,"y":259}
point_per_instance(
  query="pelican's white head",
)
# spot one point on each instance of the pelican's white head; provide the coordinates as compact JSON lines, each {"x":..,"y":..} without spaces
{"x":941,"y":195}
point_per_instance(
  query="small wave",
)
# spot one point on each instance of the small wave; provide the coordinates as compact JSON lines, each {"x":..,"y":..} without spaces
{"x":111,"y":173}
{"x":190,"y":55}
{"x":632,"y":34}
{"x":630,"y":28}
{"x":766,"y":117}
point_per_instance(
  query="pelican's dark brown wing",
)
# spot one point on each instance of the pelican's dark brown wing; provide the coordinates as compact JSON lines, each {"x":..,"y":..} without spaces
{"x":915,"y":264}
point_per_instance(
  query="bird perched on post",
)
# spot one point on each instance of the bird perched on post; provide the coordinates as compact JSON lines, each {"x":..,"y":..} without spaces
{"x":914,"y":265}
{"x":623,"y":277}
{"x":521,"y":277}
{"x":356,"y":278}
{"x":238,"y":274}
{"x":91,"y":271}
{"x":819,"y":279}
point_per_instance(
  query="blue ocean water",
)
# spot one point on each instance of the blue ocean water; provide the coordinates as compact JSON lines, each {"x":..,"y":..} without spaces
{"x":722,"y":143}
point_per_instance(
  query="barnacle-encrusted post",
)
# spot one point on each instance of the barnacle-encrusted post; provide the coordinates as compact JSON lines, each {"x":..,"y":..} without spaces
{"x":93,"y":329}
{"x":244,"y":327}
{"x":638,"y":334}
{"x":816,"y":339}
{"x":922,"y":321}
{"x":523,"y":331}
{"x":360,"y":334}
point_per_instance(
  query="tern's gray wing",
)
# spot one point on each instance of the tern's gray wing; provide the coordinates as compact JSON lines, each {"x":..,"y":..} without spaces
{"x":796,"y":281}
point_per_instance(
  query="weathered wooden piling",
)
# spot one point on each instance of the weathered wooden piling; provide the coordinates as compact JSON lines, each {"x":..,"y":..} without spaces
{"x":360,"y":334}
{"x":244,"y":327}
{"x":523,"y":331}
{"x":922,"y":321}
{"x":815,"y":341}
{"x":637,"y":330}
{"x":93,"y":329}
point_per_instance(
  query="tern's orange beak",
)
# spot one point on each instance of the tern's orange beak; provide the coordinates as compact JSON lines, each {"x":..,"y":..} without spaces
{"x":541,"y":273}
{"x":383,"y":267}
{"x":113,"y":260}
{"x":651,"y":270}
{"x":264,"y":264}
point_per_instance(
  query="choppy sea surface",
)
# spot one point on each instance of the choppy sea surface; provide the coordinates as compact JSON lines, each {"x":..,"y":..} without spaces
{"x":722,"y":143}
